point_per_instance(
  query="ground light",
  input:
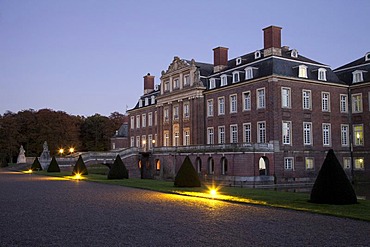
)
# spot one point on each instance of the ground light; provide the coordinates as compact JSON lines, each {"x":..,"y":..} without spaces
{"x":77,"y":176}
{"x":28,"y":171}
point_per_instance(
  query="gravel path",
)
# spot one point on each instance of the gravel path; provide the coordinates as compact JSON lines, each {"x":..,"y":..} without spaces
{"x":44,"y":211}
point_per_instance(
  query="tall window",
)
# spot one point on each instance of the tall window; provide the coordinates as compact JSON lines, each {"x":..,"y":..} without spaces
{"x":212,"y":83}
{"x":210,"y":136}
{"x":221,"y":106}
{"x":357,"y":76}
{"x":322,"y":74}
{"x":167,"y":86}
{"x":325,"y":101}
{"x":132,"y":141}
{"x":138,"y":141}
{"x":306,"y":99}
{"x":150,"y":141}
{"x":233,"y":103}
{"x":248,"y":73}
{"x":155,"y":118}
{"x":221,"y":134}
{"x":143,"y":118}
{"x":358,"y":134}
{"x":346,"y":163}
{"x":247,"y":101}
{"x":223,"y":80}
{"x":343,"y":103}
{"x":186,"y":139}
{"x":302,"y":71}
{"x":357,"y":103}
{"x":132,"y":122}
{"x":286,"y":132}
{"x":176,"y":138}
{"x":176,"y":83}
{"x":210,"y":108}
{"x":166,"y":138}
{"x":236,"y":76}
{"x":176,"y":112}
{"x":261,"y":98}
{"x":288,"y":163}
{"x":326,"y":137}
{"x":359,"y":164}
{"x":166,"y":114}
{"x":138,"y":121}
{"x":285,"y":97}
{"x":247,"y":133}
{"x":186,"y":80}
{"x":186,"y":110}
{"x":307,"y":133}
{"x":234,"y":133}
{"x":344,"y":135}
{"x":261,"y":132}
{"x":150,"y":119}
{"x":309,"y":163}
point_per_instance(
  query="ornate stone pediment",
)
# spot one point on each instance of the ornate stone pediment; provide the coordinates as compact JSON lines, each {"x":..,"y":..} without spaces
{"x":176,"y":64}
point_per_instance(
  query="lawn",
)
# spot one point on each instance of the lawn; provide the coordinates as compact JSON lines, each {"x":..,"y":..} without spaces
{"x":272,"y":198}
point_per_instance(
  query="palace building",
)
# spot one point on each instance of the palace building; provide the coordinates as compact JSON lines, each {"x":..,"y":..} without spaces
{"x":268,"y":116}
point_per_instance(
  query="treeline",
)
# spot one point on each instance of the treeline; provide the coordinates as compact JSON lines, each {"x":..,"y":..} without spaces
{"x":31,"y":128}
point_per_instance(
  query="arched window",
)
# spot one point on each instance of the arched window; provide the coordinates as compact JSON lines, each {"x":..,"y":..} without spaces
{"x":199,"y":164}
{"x":224,"y":166}
{"x":211,"y":166}
{"x":263,"y":166}
{"x":158,"y":165}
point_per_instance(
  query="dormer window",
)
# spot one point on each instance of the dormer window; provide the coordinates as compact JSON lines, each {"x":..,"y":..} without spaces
{"x":302,"y":71}
{"x":212,"y":83}
{"x":367,"y":56}
{"x":294,"y":53}
{"x":257,"y":54}
{"x":238,"y":60}
{"x":321,"y":74}
{"x":152,"y":100}
{"x":236,"y":77}
{"x":248,"y":73}
{"x":140,"y":103}
{"x":146,"y":101}
{"x":223,"y":80}
{"x":357,"y":76}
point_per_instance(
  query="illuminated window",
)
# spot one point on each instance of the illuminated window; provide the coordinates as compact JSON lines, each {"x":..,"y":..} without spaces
{"x":158,"y":165}
{"x":233,"y":103}
{"x":358,"y":134}
{"x":359,"y":164}
{"x":302,"y":71}
{"x":357,"y":103}
{"x":286,"y":132}
{"x":306,"y":99}
{"x":344,"y":135}
{"x":309,"y":163}
{"x":343,"y":103}
{"x":234,"y":133}
{"x":288,"y":163}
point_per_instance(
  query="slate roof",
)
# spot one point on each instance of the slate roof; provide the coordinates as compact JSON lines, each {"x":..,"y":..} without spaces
{"x":345,"y":72}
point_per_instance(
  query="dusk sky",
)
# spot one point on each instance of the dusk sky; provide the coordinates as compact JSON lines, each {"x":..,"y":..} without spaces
{"x":89,"y":56}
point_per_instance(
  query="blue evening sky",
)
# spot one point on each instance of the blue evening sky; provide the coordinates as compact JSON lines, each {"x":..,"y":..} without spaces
{"x":89,"y":56}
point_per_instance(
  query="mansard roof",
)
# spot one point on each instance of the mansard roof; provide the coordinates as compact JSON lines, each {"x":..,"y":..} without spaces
{"x":345,"y":72}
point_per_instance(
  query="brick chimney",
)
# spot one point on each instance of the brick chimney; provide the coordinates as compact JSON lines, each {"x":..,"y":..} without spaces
{"x":272,"y":41}
{"x":148,"y":83}
{"x":220,"y":58}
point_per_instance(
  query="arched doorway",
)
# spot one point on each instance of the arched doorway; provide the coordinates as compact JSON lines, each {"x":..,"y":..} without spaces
{"x":198,"y":161}
{"x":263,"y":164}
{"x":224,"y":166}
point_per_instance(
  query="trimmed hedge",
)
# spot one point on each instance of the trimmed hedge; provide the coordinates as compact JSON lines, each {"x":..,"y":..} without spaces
{"x":80,"y":167}
{"x":118,"y":169}
{"x":332,"y":185}
{"x":53,"y":167}
{"x":36,"y":166}
{"x":187,"y":175}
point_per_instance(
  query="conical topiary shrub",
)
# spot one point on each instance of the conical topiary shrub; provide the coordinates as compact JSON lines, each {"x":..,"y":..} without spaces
{"x":53,"y":167}
{"x":332,"y":185}
{"x":36,"y":166}
{"x":187,"y":176}
{"x":80,"y":167}
{"x":118,"y":169}
{"x":3,"y":163}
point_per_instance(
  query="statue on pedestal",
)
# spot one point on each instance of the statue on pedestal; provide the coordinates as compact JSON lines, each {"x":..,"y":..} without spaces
{"x":45,"y":156}
{"x":21,"y":156}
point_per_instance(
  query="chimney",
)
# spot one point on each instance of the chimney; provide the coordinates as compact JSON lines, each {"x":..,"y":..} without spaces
{"x":148,"y":83}
{"x":272,"y":41}
{"x":220,"y":58}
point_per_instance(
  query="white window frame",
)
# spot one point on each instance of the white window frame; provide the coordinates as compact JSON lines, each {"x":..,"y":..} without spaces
{"x":221,"y":106}
{"x":223,"y":80}
{"x":166,"y":86}
{"x":233,"y":103}
{"x":247,"y":132}
{"x":248,"y":73}
{"x":137,"y":121}
{"x":132,"y":122}
{"x":343,"y":103}
{"x":210,"y":108}
{"x":132,"y":141}
{"x":210,"y":136}
{"x":257,"y":54}
{"x":346,"y":163}
{"x":150,"y":119}
{"x":261,"y":132}
{"x":233,"y":133}
{"x":221,"y":134}
{"x":325,"y":101}
{"x":289,"y":163}
{"x":247,"y":100}
{"x":285,"y":97}
{"x":186,"y":80}
{"x":344,"y":135}
{"x":326,"y":134}
{"x":307,"y":134}
{"x":357,"y":76}
{"x":186,"y":137}
{"x":212,"y":83}
{"x":309,"y":163}
{"x":176,"y":83}
{"x":357,"y":103}
{"x":306,"y":99}
{"x":287,"y":132}
{"x":143,"y":120}
{"x":166,"y":138}
{"x":138,"y":142}
{"x":321,"y":74}
{"x":236,"y":76}
{"x":294,"y":53}
{"x":261,"y":98}
{"x":186,"y":109}
{"x":302,"y":71}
